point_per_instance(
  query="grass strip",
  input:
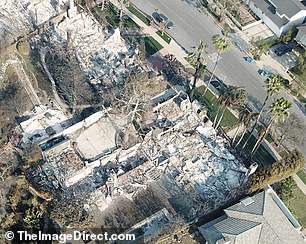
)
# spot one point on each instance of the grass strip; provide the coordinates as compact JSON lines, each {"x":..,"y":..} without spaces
{"x":229,"y":120}
{"x":302,"y":175}
{"x":140,"y":15}
{"x":165,"y":36}
{"x":152,"y":46}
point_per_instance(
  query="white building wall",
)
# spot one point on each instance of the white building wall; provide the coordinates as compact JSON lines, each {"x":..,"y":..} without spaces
{"x":299,"y":16}
{"x":294,"y":21}
{"x":265,"y":19}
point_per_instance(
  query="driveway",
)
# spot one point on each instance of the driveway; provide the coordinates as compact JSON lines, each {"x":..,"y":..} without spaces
{"x":192,"y":25}
{"x":259,"y":30}
{"x":287,"y":60}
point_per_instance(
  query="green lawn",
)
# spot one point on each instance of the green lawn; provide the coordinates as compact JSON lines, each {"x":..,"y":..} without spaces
{"x":262,"y":156}
{"x":229,"y":120}
{"x":140,"y":15}
{"x":269,"y":138}
{"x":297,"y":205}
{"x":152,"y":46}
{"x":165,"y":36}
{"x":129,"y":23}
{"x":111,"y":15}
{"x":301,"y":98}
{"x":302,"y":175}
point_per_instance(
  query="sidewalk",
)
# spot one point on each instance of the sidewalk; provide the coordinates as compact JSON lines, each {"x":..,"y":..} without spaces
{"x":267,"y":62}
{"x":175,"y":49}
{"x":300,"y":183}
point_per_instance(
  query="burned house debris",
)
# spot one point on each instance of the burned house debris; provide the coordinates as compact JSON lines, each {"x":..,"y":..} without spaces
{"x":182,"y":160}
{"x":129,"y":173}
{"x":43,"y":124}
{"x":102,"y":54}
{"x":106,"y":138}
{"x":19,"y":17}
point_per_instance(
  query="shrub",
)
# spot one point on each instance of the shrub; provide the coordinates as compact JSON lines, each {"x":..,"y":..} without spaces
{"x":286,"y":188}
{"x":285,"y":82}
{"x":33,"y":154}
{"x":23,"y":48}
{"x":269,"y":174}
{"x":33,"y":217}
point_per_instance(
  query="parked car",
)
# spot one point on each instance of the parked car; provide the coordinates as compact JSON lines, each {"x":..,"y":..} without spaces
{"x":249,"y":60}
{"x":218,"y":84}
{"x":282,"y":49}
{"x":162,"y":19}
{"x":264,"y":73}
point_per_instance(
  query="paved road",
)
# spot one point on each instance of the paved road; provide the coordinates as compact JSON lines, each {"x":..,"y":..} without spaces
{"x":191,"y":26}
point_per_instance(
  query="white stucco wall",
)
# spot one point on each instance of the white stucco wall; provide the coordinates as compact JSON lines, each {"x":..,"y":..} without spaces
{"x":300,"y":15}
{"x":265,"y":19}
{"x":294,"y":20}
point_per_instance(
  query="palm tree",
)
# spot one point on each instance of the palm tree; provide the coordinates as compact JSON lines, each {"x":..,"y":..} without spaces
{"x":221,"y":43}
{"x":162,"y":27}
{"x":122,"y":3}
{"x":243,"y":115}
{"x":246,"y":119}
{"x":230,"y":97}
{"x":280,"y":111}
{"x":197,"y":60}
{"x":273,"y":87}
{"x":222,"y":99}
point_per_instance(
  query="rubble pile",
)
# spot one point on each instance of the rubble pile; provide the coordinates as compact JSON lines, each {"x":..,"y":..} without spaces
{"x":182,"y":154}
{"x":103,"y":56}
{"x":151,"y":226}
{"x":188,"y":156}
{"x":62,"y":165}
{"x":20,"y":16}
{"x":61,"y":161}
{"x":180,"y":166}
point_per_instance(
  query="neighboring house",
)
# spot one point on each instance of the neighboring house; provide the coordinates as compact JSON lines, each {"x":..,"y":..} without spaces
{"x":301,"y":35}
{"x":260,"y":219}
{"x":278,"y":15}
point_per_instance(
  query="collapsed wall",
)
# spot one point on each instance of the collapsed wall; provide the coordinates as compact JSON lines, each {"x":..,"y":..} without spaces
{"x":19,"y":17}
{"x":104,"y":56}
{"x":181,"y":165}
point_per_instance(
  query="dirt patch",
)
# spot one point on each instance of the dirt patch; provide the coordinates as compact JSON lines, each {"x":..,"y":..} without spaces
{"x":73,"y":86}
{"x":246,"y":15}
{"x":14,"y":101}
{"x":34,"y":64}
